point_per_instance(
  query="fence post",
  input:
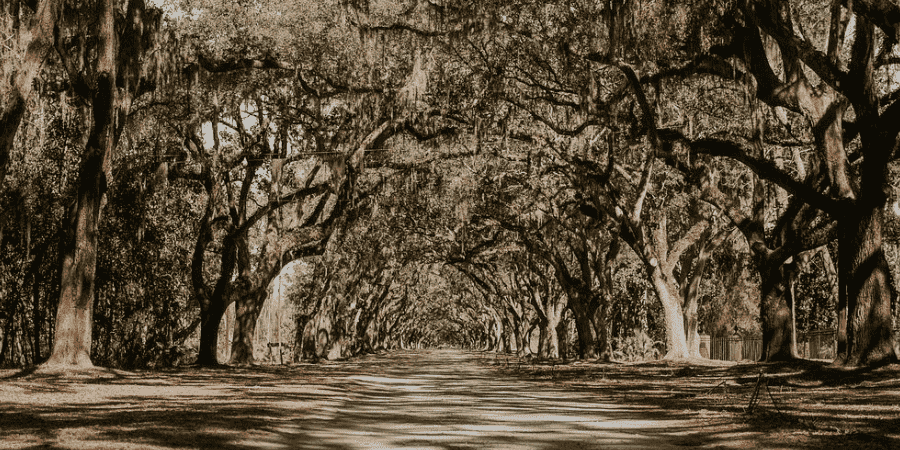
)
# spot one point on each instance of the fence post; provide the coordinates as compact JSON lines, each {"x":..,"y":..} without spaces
{"x":705,"y":349}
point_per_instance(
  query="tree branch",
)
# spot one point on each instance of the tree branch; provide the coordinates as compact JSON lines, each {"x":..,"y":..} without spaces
{"x":272,"y":205}
{"x":767,"y":170}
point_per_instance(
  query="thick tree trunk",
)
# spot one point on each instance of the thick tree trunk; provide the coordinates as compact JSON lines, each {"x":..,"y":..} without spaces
{"x":498,"y":336}
{"x":517,"y":334}
{"x":584,"y":312}
{"x":300,"y":326}
{"x":776,"y":312}
{"x":562,"y":335}
{"x":523,"y":338}
{"x":487,"y":338}
{"x":691,"y":296}
{"x":691,"y":327}
{"x":309,"y":347}
{"x":601,"y":315}
{"x":508,"y":339}
{"x":210,"y":320}
{"x":676,"y":341}
{"x":247,"y":311}
{"x":529,"y":337}
{"x":870,"y":340}
{"x":212,"y":306}
{"x":553,"y":318}
{"x":74,"y":318}
{"x":110,"y":104}
{"x":601,"y":326}
{"x":543,"y":347}
{"x":319,"y":336}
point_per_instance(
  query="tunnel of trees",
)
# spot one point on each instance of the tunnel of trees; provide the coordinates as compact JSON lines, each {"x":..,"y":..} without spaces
{"x":579,"y":179}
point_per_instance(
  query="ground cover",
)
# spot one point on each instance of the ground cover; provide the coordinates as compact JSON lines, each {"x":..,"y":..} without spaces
{"x":453,"y":400}
{"x":791,"y":404}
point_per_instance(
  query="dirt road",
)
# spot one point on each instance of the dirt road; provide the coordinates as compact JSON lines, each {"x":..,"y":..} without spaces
{"x":407,"y":400}
{"x":451,"y":400}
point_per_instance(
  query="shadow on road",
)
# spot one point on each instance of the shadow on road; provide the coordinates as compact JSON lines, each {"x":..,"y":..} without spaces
{"x":443,"y":400}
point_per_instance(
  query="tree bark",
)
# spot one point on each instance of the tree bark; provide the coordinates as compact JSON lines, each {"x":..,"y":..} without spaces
{"x":604,"y":274}
{"x":601,"y":326}
{"x":247,"y":311}
{"x":210,"y":320}
{"x":584,"y":313}
{"x":74,"y":317}
{"x":554,"y":316}
{"x":524,"y":337}
{"x":676,"y":340}
{"x":517,"y":330}
{"x":498,"y":329}
{"x":870,"y":340}
{"x":775,"y":310}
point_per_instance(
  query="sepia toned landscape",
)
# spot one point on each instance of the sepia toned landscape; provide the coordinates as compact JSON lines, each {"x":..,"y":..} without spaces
{"x":347,"y":224}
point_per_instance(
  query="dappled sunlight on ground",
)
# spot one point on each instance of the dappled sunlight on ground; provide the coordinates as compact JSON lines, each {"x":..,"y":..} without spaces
{"x":429,"y":404}
{"x":448,"y":400}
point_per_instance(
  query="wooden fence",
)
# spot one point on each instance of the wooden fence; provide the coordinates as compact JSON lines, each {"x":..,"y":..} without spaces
{"x":812,"y":345}
{"x":731,"y":348}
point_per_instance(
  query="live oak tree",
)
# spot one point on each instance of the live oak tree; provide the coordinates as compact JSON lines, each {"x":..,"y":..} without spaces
{"x":325,"y":192}
{"x":110,"y":84}
{"x":835,"y":86}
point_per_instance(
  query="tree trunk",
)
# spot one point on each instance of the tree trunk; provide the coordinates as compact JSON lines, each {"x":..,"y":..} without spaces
{"x":775,"y":311}
{"x":508,"y":340}
{"x":584,"y":312}
{"x":110,"y":103}
{"x":691,"y":327}
{"x":543,"y":347}
{"x":553,"y":318}
{"x":523,"y":338}
{"x":247,"y":311}
{"x":601,"y":315}
{"x":601,"y":326}
{"x":516,"y":337}
{"x":308,"y":345}
{"x":870,"y":340}
{"x":676,"y":342}
{"x":498,"y":336}
{"x":318,"y":337}
{"x":213,"y":307}
{"x":74,"y":317}
{"x":210,"y":320}
{"x":562,"y":335}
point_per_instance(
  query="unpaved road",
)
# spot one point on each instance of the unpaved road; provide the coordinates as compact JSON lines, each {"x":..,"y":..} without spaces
{"x":406,"y":400}
{"x":451,"y":400}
